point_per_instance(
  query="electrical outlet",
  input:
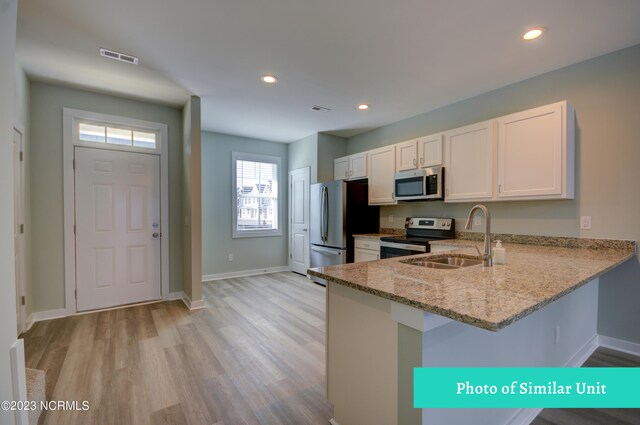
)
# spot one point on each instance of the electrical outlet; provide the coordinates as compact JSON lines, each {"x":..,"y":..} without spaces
{"x":391,"y":218}
{"x":585,"y":222}
{"x":477,"y":221}
{"x":230,"y":257}
{"x":556,"y":338}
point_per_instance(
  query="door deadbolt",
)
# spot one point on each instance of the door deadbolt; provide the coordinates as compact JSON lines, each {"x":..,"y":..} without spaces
{"x":156,"y":235}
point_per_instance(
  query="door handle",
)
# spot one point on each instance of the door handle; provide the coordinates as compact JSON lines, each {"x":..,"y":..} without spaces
{"x":326,"y":250}
{"x":304,"y":230}
{"x":156,"y":235}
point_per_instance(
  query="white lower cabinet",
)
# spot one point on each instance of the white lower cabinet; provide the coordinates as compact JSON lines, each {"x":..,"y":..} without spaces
{"x":382,"y":165}
{"x":469,"y":163}
{"x":366,"y":249}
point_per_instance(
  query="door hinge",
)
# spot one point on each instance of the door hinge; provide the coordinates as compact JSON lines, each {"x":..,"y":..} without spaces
{"x":74,"y":229}
{"x":21,"y":228}
{"x":23,"y":300}
{"x":290,"y":255}
{"x":74,"y":164}
{"x":75,"y":294}
{"x":21,"y":156}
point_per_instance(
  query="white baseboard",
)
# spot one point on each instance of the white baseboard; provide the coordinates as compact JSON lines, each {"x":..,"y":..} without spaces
{"x":242,"y":273}
{"x":583,"y":353}
{"x":192,"y":305}
{"x":174,"y":296}
{"x":39,"y":316}
{"x":526,"y":416}
{"x":619,"y":345}
{"x":523,"y":417}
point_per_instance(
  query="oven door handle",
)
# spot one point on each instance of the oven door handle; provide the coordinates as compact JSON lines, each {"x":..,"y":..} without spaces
{"x":408,"y":247}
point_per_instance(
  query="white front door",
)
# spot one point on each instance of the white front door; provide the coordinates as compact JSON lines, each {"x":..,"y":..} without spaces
{"x":299,"y":215}
{"x":117,"y":199}
{"x":18,"y":229}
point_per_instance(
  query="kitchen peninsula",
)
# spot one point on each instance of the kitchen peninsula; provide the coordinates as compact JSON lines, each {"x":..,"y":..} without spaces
{"x":386,"y":317}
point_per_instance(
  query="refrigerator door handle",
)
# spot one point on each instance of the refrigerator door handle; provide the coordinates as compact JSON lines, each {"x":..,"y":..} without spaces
{"x":326,"y":250}
{"x":322,"y":213}
{"x":325,"y":213}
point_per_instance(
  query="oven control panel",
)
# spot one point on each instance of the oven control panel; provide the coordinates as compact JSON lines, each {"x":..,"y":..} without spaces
{"x":428,"y":223}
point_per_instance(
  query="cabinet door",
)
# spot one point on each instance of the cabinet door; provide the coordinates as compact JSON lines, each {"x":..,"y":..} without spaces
{"x":469,"y":162}
{"x":532,"y":152}
{"x":406,"y":156}
{"x":361,"y":255}
{"x":341,"y":168}
{"x":358,"y":166}
{"x":381,"y":164}
{"x":430,"y":150}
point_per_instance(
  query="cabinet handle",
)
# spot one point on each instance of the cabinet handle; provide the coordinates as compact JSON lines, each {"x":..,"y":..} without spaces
{"x":414,"y":161}
{"x":421,"y":160}
{"x":392,"y":197}
{"x":446,"y":192}
{"x":499,"y":188}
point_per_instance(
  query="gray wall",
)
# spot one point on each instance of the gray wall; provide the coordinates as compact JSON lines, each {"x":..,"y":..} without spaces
{"x":47,"y":101}
{"x":217,"y":243}
{"x":192,"y":198}
{"x":329,"y":148}
{"x":304,"y":153}
{"x":8,"y":16}
{"x":605,"y":93}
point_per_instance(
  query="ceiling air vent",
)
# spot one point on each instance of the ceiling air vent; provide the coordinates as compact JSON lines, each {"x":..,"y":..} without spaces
{"x":118,"y":56}
{"x":320,"y":108}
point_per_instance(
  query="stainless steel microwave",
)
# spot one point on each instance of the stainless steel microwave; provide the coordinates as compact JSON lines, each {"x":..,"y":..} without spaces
{"x":421,"y":184}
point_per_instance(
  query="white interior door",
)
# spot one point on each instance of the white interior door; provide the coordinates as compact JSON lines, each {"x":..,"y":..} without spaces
{"x":18,"y":230}
{"x":117,"y":228}
{"x":299,"y":217}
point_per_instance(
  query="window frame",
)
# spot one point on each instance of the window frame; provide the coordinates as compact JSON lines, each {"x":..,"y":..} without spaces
{"x":119,"y":125}
{"x":242,"y":156}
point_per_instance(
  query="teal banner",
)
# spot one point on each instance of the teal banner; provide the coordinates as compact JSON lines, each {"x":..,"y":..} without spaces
{"x":592,"y":387}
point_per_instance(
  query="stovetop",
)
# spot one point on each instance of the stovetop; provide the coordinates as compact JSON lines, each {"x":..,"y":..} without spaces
{"x":422,"y":230}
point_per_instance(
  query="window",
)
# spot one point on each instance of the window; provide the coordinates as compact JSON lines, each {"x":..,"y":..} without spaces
{"x":255,"y":188}
{"x":98,"y":133}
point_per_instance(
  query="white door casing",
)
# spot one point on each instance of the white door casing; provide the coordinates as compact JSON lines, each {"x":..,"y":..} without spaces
{"x":18,"y":232}
{"x":71,"y":118}
{"x":299,"y":220}
{"x":117,"y":227}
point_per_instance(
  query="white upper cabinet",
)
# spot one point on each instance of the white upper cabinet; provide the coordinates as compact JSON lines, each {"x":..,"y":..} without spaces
{"x":352,"y":167}
{"x":430,"y":150}
{"x":469,"y":171}
{"x":407,"y":155}
{"x":536,"y":153}
{"x":341,"y":168}
{"x":422,"y":152}
{"x":381,"y":164}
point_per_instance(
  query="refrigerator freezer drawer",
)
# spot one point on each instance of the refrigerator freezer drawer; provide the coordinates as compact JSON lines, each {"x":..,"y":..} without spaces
{"x":322,"y":256}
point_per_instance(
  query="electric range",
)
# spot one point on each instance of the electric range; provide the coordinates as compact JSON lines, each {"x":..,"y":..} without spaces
{"x":419,"y":231}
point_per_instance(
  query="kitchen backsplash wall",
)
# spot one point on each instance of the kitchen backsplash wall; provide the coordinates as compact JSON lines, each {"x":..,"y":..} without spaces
{"x":606,"y":96}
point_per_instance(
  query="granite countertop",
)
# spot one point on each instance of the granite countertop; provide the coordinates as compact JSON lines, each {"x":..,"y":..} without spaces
{"x":486,"y":297}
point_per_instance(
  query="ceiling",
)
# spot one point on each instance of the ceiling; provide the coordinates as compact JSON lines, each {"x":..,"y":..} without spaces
{"x":403,"y":57}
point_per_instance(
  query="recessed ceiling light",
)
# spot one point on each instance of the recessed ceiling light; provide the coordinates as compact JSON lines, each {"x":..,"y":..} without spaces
{"x":269,"y":79}
{"x":363,"y":106}
{"x":534,"y":33}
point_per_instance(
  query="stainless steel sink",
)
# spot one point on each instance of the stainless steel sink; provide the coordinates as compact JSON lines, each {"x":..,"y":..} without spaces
{"x":448,"y":262}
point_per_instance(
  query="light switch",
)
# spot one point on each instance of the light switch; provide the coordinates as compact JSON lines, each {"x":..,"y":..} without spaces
{"x":585,"y":222}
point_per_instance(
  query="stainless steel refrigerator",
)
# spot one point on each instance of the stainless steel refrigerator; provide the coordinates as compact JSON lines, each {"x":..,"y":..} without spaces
{"x":339,"y":209}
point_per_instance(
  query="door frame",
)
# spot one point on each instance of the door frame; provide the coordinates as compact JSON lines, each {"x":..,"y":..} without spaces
{"x":21,"y":278}
{"x":307,"y":212}
{"x":70,"y":119}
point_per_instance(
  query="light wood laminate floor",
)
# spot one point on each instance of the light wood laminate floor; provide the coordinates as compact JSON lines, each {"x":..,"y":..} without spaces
{"x":602,"y":357}
{"x":254,"y":355}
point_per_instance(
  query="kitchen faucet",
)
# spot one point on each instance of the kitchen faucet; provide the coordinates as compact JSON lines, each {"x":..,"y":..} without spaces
{"x":486,"y":257}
